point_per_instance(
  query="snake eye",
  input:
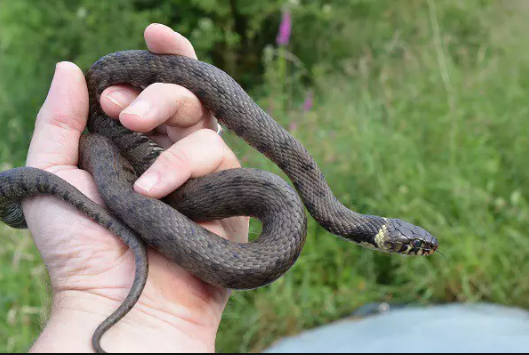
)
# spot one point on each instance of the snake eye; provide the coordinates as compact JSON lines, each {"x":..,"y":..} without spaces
{"x":417,"y":243}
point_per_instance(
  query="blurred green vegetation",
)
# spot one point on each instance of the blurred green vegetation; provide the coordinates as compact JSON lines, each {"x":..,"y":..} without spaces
{"x":420,"y":113}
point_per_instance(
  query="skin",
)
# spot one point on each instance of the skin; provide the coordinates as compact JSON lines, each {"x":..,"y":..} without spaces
{"x":91,"y":271}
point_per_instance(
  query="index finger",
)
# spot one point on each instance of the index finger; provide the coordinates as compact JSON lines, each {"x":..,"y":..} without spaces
{"x":160,"y":39}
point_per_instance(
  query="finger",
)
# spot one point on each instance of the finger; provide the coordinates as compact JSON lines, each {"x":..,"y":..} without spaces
{"x":61,"y":120}
{"x":160,"y":39}
{"x":208,"y":123}
{"x":199,"y":154}
{"x":117,"y":98}
{"x":163,"y":40}
{"x":159,"y":104}
{"x":162,"y":141}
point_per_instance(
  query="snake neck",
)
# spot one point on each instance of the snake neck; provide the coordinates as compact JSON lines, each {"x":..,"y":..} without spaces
{"x":277,"y":144}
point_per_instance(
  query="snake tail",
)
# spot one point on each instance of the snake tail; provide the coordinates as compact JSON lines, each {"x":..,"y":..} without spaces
{"x":21,"y":183}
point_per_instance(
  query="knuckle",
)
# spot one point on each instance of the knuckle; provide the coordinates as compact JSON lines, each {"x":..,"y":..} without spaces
{"x":175,"y":157}
{"x":213,"y":139}
{"x":60,"y":120}
{"x":231,"y":160}
{"x":160,"y":87}
{"x":209,"y":134}
{"x":190,"y":104}
{"x":218,"y":149}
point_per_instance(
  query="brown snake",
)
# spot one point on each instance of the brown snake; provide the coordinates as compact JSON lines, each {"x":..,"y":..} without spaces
{"x":116,"y":156}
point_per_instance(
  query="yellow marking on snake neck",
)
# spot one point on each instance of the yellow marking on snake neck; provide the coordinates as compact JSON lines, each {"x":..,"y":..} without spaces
{"x":381,"y":236}
{"x":367,"y":245}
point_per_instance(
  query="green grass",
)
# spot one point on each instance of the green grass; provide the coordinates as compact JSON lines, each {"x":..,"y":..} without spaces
{"x":429,"y":126}
{"x":23,"y":291}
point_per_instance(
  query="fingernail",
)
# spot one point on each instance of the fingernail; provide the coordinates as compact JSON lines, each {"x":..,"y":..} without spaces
{"x":148,"y":181}
{"x":70,"y":71}
{"x":139,"y":108}
{"x":119,"y":98}
{"x":60,"y":66}
{"x":160,"y":25}
{"x":63,"y":64}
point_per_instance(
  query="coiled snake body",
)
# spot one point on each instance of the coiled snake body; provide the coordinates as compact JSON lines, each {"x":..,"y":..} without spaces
{"x":116,"y":156}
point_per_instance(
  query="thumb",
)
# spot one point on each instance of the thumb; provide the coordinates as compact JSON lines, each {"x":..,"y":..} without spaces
{"x":61,"y":120}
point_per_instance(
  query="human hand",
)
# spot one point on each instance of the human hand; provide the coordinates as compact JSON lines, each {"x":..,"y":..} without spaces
{"x":91,"y":271}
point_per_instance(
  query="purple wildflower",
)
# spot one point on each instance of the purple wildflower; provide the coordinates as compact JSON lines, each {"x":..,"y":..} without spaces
{"x":309,"y":102}
{"x":285,"y":29}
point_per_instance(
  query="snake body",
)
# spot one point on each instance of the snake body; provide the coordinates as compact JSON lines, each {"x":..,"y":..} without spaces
{"x":116,"y":156}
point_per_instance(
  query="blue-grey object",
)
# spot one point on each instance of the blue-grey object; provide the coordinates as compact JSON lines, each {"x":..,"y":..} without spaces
{"x":454,"y":328}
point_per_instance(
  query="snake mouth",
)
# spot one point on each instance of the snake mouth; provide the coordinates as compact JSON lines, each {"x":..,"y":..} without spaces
{"x":431,"y":250}
{"x":409,"y":250}
{"x":421,"y":252}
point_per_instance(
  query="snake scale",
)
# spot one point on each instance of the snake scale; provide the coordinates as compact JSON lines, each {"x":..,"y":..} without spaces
{"x":116,"y":157}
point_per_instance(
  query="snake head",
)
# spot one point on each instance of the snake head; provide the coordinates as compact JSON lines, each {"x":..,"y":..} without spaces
{"x":404,"y":238}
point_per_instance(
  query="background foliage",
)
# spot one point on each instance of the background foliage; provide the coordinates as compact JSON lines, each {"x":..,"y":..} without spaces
{"x":419,"y":111}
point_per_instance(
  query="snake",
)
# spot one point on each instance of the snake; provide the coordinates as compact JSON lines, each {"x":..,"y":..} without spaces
{"x":116,"y":156}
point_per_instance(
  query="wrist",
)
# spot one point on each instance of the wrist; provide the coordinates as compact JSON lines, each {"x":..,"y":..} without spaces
{"x":76,"y":315}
